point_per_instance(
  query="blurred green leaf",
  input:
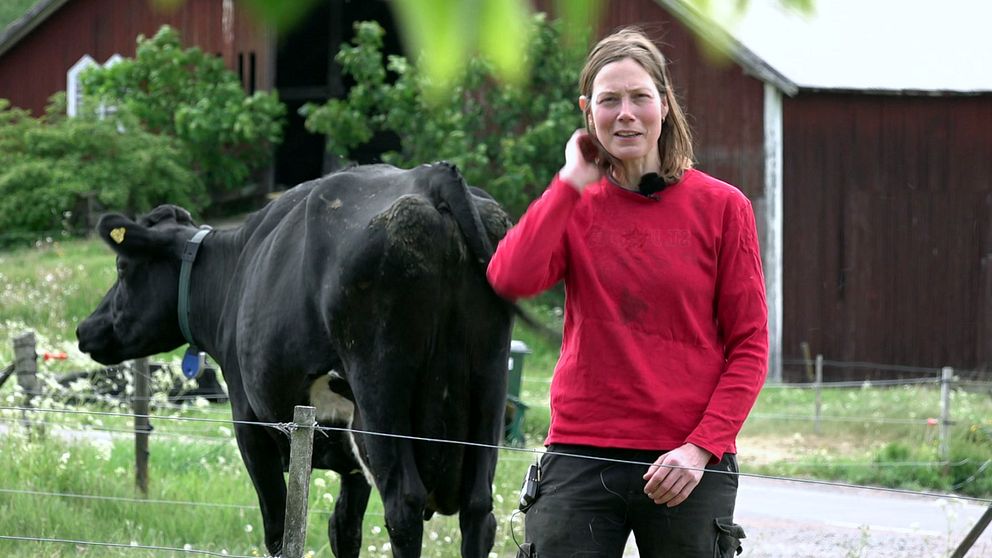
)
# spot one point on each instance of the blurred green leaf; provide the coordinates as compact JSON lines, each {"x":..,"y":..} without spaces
{"x":581,"y":17}
{"x":440,"y":34}
{"x":504,"y":33}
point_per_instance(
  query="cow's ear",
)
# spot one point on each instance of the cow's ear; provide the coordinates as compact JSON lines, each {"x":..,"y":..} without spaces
{"x":128,"y":238}
{"x":167,"y":212}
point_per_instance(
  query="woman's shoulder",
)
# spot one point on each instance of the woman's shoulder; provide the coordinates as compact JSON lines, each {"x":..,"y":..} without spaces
{"x":703,"y":184}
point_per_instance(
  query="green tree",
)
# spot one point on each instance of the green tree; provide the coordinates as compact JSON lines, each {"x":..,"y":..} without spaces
{"x":192,"y":96}
{"x":506,"y":138}
{"x":48,"y":164}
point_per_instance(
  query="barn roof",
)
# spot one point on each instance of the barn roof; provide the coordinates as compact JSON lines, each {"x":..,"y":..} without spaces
{"x":879,"y":46}
{"x":20,"y":27}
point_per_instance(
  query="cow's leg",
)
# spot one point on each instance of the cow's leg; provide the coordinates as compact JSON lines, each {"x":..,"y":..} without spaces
{"x":476,"y":520}
{"x":345,"y":527}
{"x":487,"y":370}
{"x":391,"y":460}
{"x":262,"y":459}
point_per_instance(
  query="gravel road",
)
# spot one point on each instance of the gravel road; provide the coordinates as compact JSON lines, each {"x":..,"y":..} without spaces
{"x":786,"y":519}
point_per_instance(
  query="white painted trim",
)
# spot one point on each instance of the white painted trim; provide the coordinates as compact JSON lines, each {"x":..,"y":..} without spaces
{"x":73,"y":95}
{"x":773,"y":228}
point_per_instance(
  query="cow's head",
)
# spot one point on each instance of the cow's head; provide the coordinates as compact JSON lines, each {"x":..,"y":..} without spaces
{"x":138,"y":317}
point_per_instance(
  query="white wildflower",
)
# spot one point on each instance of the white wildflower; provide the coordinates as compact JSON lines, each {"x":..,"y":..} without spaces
{"x":249,"y":528}
{"x":319,"y":482}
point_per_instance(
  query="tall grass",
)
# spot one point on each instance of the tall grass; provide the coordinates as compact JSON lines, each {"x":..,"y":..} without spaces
{"x":186,"y":471}
{"x":50,"y":288}
{"x":875,"y":436}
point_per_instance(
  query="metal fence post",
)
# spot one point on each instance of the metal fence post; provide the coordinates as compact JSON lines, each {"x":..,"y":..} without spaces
{"x":946,"y":377}
{"x":817,"y":386}
{"x":26,"y":368}
{"x":973,"y":535}
{"x":140,"y":404}
{"x":298,"y":483}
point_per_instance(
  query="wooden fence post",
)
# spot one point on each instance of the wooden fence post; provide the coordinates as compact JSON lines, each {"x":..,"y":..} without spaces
{"x":298,"y":483}
{"x":946,"y":377}
{"x":817,"y":386}
{"x":139,"y":404}
{"x":26,"y":368}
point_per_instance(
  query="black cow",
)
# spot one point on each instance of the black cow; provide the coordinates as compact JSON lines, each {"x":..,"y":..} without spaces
{"x":369,"y":284}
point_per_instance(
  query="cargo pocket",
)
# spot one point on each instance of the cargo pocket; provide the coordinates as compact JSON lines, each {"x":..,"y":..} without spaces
{"x":728,"y":538}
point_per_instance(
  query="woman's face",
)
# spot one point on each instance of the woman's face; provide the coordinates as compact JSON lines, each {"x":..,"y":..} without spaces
{"x":627,"y":111}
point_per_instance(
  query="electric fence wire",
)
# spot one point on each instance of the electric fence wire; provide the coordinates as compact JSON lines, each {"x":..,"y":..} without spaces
{"x":134,"y":546}
{"x":879,"y":420}
{"x":83,"y":429}
{"x":863,"y":365}
{"x":66,"y":394}
{"x":287,"y":428}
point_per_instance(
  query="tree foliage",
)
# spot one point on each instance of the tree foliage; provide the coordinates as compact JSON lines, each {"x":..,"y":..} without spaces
{"x":49,"y":164}
{"x":192,"y":96}
{"x":506,"y":138}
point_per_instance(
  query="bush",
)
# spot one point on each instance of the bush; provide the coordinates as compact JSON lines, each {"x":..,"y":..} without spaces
{"x":507,"y":139}
{"x":192,"y":96}
{"x":48,"y":164}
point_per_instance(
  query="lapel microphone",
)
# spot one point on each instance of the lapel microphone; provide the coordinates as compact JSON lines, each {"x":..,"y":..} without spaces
{"x":651,"y":184}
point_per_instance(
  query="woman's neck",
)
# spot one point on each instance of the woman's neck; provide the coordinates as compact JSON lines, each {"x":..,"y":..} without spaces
{"x":629,"y":176}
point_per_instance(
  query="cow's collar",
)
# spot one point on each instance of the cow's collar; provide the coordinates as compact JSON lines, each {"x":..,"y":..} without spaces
{"x":193,"y":360}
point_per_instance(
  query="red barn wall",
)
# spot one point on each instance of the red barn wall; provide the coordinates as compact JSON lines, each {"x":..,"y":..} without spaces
{"x":888,"y":242}
{"x":35,"y":68}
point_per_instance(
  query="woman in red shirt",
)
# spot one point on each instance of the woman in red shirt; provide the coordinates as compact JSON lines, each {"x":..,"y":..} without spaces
{"x":665,"y":343}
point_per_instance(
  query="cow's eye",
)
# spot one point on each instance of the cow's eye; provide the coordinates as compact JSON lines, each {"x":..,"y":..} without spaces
{"x":121,"y":268}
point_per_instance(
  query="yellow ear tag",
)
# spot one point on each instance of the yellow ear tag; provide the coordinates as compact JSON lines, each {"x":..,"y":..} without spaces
{"x":118,"y":234}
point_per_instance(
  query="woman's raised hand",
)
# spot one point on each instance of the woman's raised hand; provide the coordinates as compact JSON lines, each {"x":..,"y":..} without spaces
{"x":580,"y":168}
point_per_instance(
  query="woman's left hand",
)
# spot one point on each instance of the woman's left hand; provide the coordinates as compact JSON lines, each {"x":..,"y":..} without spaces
{"x":675,"y":474}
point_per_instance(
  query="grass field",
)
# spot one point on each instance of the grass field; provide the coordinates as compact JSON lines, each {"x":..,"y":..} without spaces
{"x":201,"y":496}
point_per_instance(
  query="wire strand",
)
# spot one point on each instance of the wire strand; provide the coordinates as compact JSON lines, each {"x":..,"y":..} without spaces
{"x":187,"y":503}
{"x":121,"y":545}
{"x":880,"y":420}
{"x":66,"y":427}
{"x":286,"y":428}
{"x":281,"y":426}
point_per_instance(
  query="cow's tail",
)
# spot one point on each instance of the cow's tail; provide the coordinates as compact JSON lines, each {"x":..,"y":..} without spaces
{"x":453,"y":191}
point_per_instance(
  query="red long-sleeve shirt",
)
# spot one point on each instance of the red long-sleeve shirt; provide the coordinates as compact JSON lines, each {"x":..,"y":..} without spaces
{"x":665,"y":336}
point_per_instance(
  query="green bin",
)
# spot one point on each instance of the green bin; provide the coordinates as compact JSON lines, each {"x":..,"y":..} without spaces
{"x":515,"y":407}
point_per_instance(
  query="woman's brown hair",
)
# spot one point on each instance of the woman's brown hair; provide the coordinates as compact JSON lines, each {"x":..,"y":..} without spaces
{"x":675,"y":142}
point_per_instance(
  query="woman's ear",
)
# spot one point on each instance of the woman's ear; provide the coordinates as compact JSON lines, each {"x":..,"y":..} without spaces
{"x":583,"y":103}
